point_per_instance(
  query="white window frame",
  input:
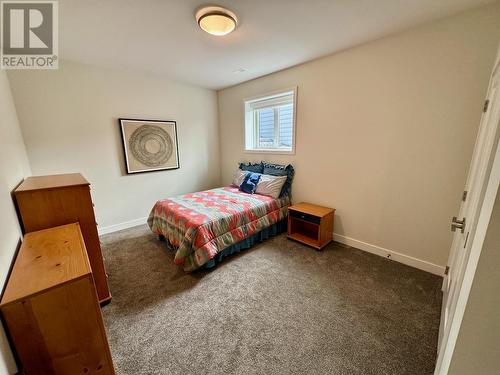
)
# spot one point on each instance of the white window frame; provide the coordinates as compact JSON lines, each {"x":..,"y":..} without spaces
{"x":250,"y":133}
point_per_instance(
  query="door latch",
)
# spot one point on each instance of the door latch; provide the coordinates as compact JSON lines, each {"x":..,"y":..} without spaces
{"x":457,"y":224}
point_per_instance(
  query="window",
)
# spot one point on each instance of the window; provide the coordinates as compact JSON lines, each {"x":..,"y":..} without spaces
{"x":270,"y":123}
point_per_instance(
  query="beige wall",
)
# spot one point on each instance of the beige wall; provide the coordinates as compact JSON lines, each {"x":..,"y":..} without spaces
{"x":69,"y":119}
{"x":477,"y":350}
{"x":385,"y":131}
{"x":14,"y":167}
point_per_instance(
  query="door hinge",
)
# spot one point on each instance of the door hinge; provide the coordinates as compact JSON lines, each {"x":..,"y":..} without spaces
{"x":457,"y":224}
{"x":447,"y":270}
{"x":464,"y":196}
{"x":486,"y":105}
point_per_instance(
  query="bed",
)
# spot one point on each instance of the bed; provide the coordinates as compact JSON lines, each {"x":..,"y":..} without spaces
{"x":203,"y":227}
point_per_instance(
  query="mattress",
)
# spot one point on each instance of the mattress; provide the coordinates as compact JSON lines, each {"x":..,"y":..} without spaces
{"x":200,"y":225}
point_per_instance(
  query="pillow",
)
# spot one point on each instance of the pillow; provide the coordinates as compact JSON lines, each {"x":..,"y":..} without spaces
{"x":280,"y":170}
{"x":256,"y":168}
{"x":239,"y":176}
{"x":270,"y":185}
{"x":249,"y":184}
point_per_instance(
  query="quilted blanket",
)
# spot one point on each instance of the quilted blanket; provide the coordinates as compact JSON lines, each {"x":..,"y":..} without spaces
{"x":200,"y":225}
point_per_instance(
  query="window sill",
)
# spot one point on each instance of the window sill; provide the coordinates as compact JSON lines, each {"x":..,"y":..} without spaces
{"x":270,"y":151}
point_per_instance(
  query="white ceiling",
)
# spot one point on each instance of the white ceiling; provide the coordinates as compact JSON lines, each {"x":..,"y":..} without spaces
{"x":161,"y":36}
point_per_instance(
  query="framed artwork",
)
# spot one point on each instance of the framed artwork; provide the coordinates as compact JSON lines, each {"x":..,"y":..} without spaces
{"x":149,"y":145}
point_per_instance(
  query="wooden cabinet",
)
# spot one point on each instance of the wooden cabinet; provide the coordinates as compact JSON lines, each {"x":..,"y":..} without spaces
{"x":50,"y":307}
{"x":49,"y":201}
{"x":311,"y":224}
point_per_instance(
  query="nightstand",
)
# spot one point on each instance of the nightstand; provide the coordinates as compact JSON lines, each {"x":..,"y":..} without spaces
{"x":311,"y":224}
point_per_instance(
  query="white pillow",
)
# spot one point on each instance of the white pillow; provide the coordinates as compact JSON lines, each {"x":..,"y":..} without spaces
{"x":239,"y":176}
{"x":270,"y":185}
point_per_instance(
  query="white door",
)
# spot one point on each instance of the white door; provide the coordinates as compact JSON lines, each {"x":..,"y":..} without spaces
{"x":464,"y":225}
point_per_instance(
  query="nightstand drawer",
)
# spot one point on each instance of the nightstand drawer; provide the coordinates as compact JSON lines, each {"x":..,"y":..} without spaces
{"x":306,"y":217}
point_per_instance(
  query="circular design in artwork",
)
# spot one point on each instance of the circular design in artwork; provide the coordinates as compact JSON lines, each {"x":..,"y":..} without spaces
{"x":151,"y":145}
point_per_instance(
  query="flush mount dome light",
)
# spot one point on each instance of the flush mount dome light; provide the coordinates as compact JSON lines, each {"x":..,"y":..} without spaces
{"x":216,"y":20}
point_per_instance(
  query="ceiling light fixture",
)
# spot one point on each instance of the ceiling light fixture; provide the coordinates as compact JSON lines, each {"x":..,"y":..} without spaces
{"x":216,"y":20}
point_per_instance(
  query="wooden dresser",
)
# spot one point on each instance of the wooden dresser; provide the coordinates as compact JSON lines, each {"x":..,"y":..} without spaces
{"x":49,"y":201}
{"x":50,"y":307}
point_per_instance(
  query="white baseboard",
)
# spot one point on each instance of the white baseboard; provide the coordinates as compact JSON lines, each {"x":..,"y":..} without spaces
{"x":121,"y":226}
{"x":393,"y":255}
{"x":374,"y":249}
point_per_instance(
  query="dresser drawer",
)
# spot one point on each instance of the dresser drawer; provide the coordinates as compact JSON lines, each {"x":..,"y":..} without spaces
{"x":306,"y":217}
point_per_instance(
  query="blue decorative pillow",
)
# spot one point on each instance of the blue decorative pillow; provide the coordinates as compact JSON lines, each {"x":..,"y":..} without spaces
{"x":280,"y":170}
{"x":250,"y":167}
{"x":249,"y":184}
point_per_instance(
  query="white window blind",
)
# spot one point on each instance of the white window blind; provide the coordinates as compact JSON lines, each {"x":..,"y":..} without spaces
{"x":269,"y":123}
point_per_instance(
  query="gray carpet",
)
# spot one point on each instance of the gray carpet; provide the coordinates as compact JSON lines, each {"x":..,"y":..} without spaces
{"x":278,"y":308}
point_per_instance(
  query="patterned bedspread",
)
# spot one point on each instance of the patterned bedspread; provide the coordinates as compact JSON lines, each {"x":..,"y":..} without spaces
{"x":200,"y":225}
